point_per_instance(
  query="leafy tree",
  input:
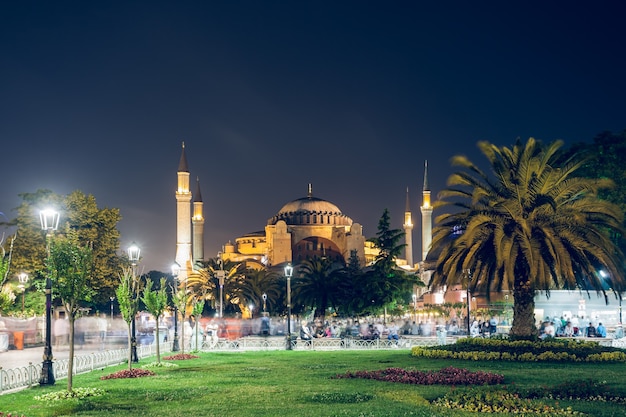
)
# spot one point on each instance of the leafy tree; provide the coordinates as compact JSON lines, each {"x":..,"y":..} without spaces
{"x":70,"y":264}
{"x":530,"y":226}
{"x":604,"y":158}
{"x":181,"y":298}
{"x":128,"y":298}
{"x":92,"y":226}
{"x":155,"y":301}
{"x":385,"y":282}
{"x":351,"y":293}
{"x":7,"y":297}
{"x":198,"y":306}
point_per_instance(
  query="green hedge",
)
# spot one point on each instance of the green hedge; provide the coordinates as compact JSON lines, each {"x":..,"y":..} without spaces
{"x":554,"y":350}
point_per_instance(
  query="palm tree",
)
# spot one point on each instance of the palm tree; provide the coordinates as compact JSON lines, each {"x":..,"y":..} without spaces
{"x":259,"y":282}
{"x":318,"y":284}
{"x":534,"y":227}
{"x":204,"y":283}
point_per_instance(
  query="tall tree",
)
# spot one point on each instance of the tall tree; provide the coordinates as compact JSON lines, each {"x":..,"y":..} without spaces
{"x":155,"y":301}
{"x":385,"y":282}
{"x":127,"y":294}
{"x":70,"y":265}
{"x":530,"y":226}
{"x":92,"y":226}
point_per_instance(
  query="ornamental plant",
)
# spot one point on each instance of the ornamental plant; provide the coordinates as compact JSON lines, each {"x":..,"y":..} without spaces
{"x":446,"y":376}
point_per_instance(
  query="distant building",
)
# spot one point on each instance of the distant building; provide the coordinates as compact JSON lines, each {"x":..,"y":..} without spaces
{"x":301,"y":229}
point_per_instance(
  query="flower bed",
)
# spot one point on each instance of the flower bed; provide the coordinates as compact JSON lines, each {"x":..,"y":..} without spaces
{"x":446,"y":376}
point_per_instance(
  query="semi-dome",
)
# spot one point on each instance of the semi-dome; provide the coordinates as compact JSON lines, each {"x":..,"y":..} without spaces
{"x":311,"y":210}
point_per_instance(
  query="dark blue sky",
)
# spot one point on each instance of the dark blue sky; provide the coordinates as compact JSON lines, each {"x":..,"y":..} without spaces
{"x":269,"y":96}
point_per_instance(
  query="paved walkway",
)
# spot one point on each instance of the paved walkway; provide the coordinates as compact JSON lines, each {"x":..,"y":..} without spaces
{"x":18,"y":358}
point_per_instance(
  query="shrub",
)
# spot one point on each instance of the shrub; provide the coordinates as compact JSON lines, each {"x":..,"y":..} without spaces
{"x":555,"y":350}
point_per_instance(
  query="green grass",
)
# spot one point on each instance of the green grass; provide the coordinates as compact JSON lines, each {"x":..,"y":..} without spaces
{"x":293,"y":383}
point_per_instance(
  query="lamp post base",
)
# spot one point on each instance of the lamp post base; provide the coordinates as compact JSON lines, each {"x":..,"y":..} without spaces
{"x":47,"y":371}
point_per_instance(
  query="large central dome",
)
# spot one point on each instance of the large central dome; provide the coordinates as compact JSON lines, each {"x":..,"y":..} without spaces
{"x":311,"y":210}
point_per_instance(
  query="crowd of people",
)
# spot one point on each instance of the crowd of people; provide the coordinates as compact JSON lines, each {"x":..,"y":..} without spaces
{"x":570,"y":327}
{"x":214,"y":329}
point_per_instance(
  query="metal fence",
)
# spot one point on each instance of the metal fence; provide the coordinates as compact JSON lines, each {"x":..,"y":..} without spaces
{"x":27,"y":376}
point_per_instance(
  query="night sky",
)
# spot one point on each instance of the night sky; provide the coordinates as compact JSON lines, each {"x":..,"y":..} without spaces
{"x":269,"y":96}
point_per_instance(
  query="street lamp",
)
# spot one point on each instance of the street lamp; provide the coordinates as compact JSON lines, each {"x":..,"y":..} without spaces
{"x":264,"y":301}
{"x":288,"y":274}
{"x":175,"y":345}
{"x":133,"y":257}
{"x":49,"y":223}
{"x":468,"y":275}
{"x":415,"y":306}
{"x":23,"y":277}
{"x":220,"y":275}
{"x":112,"y":299}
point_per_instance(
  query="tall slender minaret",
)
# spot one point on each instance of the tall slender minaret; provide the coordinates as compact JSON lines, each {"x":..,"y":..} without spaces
{"x":408,"y":231}
{"x":183,"y":218}
{"x":427,"y":216}
{"x":198,"y":225}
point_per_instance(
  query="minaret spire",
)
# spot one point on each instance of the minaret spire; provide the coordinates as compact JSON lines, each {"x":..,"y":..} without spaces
{"x":198,"y":225}
{"x":183,"y":218}
{"x":427,"y":219}
{"x":408,"y":231}
{"x":426,"y":187}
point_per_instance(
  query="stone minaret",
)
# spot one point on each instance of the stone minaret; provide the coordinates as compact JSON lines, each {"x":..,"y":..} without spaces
{"x":408,"y":231}
{"x":183,"y":219}
{"x":427,"y":215}
{"x":198,"y":226}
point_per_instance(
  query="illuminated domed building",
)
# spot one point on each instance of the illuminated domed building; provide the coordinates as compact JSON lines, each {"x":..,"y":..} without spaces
{"x":303,"y":228}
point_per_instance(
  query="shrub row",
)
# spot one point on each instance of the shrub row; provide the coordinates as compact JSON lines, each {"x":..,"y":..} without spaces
{"x":554,"y":350}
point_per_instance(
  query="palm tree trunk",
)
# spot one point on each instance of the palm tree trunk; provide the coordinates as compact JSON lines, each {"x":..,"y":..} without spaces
{"x":524,"y":310}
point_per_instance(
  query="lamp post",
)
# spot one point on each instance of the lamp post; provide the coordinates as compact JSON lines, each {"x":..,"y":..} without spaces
{"x":264,"y":301}
{"x":133,"y":257}
{"x":175,"y":345}
{"x":49,"y":223}
{"x":468,"y":275}
{"x":220,"y":276}
{"x":23,"y":277}
{"x":288,"y":274}
{"x":415,"y":306}
{"x":112,"y":299}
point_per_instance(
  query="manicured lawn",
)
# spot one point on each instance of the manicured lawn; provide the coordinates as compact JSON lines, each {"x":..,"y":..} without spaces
{"x":296,"y":383}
